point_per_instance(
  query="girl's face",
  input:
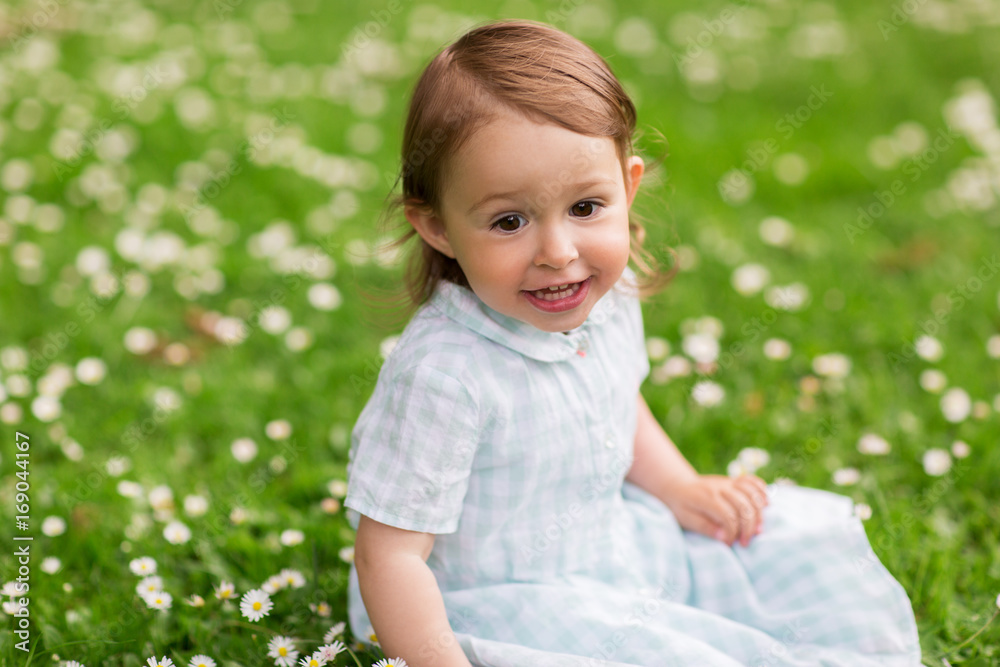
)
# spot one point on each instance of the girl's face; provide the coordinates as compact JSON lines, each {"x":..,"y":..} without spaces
{"x":529,"y":207}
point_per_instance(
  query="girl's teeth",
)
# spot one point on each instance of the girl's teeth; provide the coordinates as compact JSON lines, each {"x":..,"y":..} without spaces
{"x":558,"y":292}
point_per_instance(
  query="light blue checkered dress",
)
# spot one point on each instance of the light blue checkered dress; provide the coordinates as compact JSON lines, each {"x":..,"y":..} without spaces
{"x":511,"y":445}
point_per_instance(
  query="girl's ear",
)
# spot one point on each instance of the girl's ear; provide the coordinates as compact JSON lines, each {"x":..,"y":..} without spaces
{"x":430,"y":228}
{"x":636,"y":167}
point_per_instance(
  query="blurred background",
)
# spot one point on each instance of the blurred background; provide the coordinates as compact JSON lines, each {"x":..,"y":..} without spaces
{"x":189,"y":198}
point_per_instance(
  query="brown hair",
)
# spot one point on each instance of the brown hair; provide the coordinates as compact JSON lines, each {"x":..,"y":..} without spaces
{"x":521,"y":66}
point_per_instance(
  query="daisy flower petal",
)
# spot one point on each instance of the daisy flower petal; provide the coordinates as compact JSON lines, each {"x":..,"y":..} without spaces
{"x":283,"y":650}
{"x":143,"y":567}
{"x":255,"y":605}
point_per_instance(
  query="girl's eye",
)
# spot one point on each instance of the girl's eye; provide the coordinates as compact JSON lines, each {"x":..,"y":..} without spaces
{"x":508,"y":223}
{"x":585,"y":209}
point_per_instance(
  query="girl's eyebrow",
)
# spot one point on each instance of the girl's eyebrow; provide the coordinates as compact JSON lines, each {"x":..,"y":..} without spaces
{"x":511,"y":195}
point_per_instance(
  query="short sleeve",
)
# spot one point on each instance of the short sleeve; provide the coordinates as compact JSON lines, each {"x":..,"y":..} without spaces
{"x":412,"y":450}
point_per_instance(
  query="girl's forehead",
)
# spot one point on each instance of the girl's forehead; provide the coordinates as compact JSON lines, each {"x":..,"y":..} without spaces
{"x":516,"y":143}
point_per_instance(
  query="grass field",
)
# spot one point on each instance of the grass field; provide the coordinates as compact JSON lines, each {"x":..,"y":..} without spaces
{"x":189,"y":195}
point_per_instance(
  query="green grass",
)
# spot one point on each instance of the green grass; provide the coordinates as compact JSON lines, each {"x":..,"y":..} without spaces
{"x":871,"y":295}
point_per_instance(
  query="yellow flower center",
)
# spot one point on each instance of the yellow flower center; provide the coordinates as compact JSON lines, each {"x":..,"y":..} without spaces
{"x":373,"y":637}
{"x":282,"y":651}
{"x":256,"y":606}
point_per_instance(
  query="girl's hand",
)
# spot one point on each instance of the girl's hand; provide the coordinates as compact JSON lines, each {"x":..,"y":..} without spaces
{"x":722,"y":507}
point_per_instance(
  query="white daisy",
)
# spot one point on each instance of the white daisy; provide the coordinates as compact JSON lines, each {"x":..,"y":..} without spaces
{"x":149,"y":585}
{"x":72,"y":663}
{"x":129,"y":489}
{"x":195,"y":505}
{"x":960,"y":449}
{"x":701,"y":347}
{"x":956,"y":405}
{"x":334,"y":632}
{"x":929,"y":348}
{"x":143,"y":566}
{"x":314,"y":660}
{"x":255,"y":605}
{"x":337,"y":488}
{"x":91,"y":370}
{"x":298,"y":339}
{"x":324,"y":296}
{"x":201,"y":661}
{"x":140,"y":340}
{"x":331,"y":650}
{"x":292,"y":537}
{"x":776,"y":231}
{"x":12,"y":589}
{"x":993,"y":346}
{"x":933,"y":380}
{"x":674,"y":366}
{"x":873,"y":444}
{"x":777,"y":349}
{"x":282,"y":649}
{"x":195,"y":601}
{"x":275,"y":320}
{"x":53,"y":526}
{"x":790,"y":297}
{"x":13,"y":607}
{"x":657,"y":348}
{"x":393,"y":662}
{"x":846,"y":476}
{"x":161,"y":497}
{"x":162,"y":662}
{"x":936,"y":462}
{"x":51,"y":565}
{"x":279,"y":429}
{"x":833,"y":365}
{"x":225,"y":590}
{"x":158,"y":600}
{"x":749,"y":279}
{"x":753,"y":458}
{"x":273,"y":584}
{"x":176,"y":533}
{"x":321,"y":609}
{"x":243,"y":449}
{"x":863,"y":511}
{"x":707,"y":393}
{"x":292,"y":578}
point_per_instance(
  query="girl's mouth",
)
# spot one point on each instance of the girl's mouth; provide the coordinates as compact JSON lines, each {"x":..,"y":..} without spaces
{"x":563,"y":297}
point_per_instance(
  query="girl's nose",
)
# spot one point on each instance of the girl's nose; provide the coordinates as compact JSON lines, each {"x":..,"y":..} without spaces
{"x":556,"y":247}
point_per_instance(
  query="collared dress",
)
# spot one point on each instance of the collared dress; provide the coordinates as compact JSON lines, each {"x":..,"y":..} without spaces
{"x":511,"y":445}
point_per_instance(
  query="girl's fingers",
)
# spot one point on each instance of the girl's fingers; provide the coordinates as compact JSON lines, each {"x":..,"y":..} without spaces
{"x":724,"y":515}
{"x":700,"y":523}
{"x":747,"y":513}
{"x":755,"y":487}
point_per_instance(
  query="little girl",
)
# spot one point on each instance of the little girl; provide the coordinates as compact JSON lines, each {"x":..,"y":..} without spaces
{"x":516,"y":503}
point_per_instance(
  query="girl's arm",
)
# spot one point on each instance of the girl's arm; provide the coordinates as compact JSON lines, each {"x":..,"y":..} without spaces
{"x":714,"y":505}
{"x":402,"y":597}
